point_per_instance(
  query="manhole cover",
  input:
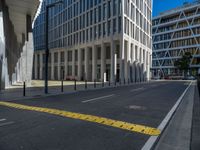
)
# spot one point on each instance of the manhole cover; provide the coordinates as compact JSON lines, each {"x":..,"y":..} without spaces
{"x":135,"y":107}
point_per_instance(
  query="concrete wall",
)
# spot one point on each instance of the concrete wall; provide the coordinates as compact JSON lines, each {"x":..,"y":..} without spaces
{"x":24,"y":66}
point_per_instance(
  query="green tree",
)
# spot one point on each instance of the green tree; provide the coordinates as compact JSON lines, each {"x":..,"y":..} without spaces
{"x":184,"y":63}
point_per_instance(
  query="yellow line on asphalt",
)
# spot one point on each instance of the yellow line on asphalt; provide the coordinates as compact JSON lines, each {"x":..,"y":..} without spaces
{"x":100,"y":120}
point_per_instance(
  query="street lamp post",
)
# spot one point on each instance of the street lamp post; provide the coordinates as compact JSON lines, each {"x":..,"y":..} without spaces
{"x":46,"y":42}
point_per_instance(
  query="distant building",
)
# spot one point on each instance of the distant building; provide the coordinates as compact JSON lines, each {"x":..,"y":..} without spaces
{"x":175,"y":32}
{"x":96,"y":40}
{"x":16,"y":42}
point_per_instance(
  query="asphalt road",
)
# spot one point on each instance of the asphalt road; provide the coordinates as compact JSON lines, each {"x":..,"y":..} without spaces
{"x":142,"y":104}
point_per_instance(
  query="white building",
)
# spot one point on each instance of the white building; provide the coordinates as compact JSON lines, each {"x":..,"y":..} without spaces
{"x":16,"y":40}
{"x":96,"y":40}
{"x":175,"y":32}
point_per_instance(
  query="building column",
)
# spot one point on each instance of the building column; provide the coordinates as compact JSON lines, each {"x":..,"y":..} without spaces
{"x":127,"y":61}
{"x":35,"y":67}
{"x":113,"y":71}
{"x":52,"y":66}
{"x":122,"y":59}
{"x":73,"y":64}
{"x":66,"y":64}
{"x":86,"y":63}
{"x":133,"y":71}
{"x":41,"y":66}
{"x":59,"y":65}
{"x":94,"y":63}
{"x":103,"y":63}
{"x":148,"y":65}
{"x":138,"y":72}
{"x":80,"y":64}
{"x":145,"y":66}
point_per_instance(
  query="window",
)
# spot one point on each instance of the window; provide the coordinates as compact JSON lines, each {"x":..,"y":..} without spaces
{"x":62,"y":57}
{"x":69,"y":56}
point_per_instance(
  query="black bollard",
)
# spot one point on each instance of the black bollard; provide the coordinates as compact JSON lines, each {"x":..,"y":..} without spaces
{"x":62,"y":81}
{"x":109,"y":83}
{"x":24,"y":89}
{"x":62,"y":85}
{"x":75,"y":84}
{"x":85,"y":84}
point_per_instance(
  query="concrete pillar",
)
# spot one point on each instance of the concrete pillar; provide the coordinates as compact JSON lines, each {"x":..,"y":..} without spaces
{"x":145,"y":65}
{"x":41,"y":66}
{"x":126,"y":61}
{"x":133,"y":71}
{"x":66,"y":64}
{"x":35,"y":66}
{"x":138,"y":72}
{"x":113,"y":59}
{"x":94,"y":63}
{"x":80,"y":64}
{"x":87,"y":63}
{"x":59,"y":65}
{"x":122,"y":59}
{"x":148,"y":66}
{"x":52,"y":66}
{"x":103,"y":62}
{"x":73,"y":64}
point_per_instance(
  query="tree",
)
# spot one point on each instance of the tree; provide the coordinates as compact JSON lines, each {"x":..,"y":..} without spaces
{"x":184,"y":62}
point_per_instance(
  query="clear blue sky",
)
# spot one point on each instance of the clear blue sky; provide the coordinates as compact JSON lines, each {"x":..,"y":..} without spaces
{"x":162,"y":5}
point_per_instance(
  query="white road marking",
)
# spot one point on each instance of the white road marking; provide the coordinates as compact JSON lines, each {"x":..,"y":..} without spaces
{"x":98,"y":98}
{"x":138,"y":89}
{"x":6,"y":123}
{"x":152,"y":140}
{"x":2,"y":119}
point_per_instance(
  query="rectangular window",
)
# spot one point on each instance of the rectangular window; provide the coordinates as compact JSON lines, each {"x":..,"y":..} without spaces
{"x":109,"y":27}
{"x":109,"y":9}
{"x":62,"y":57}
{"x":114,"y":26}
{"x":114,"y":7}
{"x":69,"y":68}
{"x":69,"y":56}
{"x":99,"y":53}
{"x":55,"y":57}
{"x":76,"y":55}
{"x":108,"y":52}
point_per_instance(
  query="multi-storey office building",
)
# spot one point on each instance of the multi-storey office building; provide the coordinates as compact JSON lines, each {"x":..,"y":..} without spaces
{"x":175,"y":32}
{"x":96,"y":40}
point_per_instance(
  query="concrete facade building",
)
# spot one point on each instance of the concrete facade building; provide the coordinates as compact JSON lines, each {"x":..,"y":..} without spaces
{"x":175,"y":32}
{"x":16,"y":40}
{"x":98,"y":40}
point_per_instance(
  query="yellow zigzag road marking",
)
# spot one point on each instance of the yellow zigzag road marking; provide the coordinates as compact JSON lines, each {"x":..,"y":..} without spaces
{"x":100,"y":120}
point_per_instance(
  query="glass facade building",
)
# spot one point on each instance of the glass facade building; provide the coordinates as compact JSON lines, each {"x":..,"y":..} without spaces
{"x":95,"y":40}
{"x":175,"y":32}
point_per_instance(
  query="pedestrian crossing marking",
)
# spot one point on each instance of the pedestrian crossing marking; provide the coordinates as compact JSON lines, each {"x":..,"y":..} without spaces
{"x":90,"y":118}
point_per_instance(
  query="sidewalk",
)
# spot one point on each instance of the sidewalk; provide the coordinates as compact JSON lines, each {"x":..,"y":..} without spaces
{"x":178,"y":133}
{"x":37,"y":89}
{"x":195,"y":140}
